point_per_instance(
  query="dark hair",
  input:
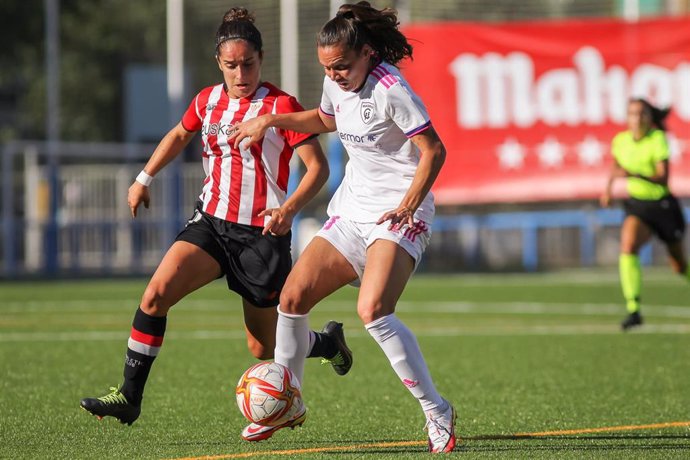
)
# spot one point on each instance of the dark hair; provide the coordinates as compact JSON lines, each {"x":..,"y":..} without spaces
{"x":238,"y":24}
{"x":357,"y":25}
{"x":658,"y":115}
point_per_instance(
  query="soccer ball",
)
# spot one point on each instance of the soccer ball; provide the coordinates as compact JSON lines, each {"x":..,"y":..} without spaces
{"x":268,"y":394}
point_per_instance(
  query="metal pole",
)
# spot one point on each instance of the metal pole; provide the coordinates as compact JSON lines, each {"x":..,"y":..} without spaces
{"x":9,"y":242}
{"x":631,"y":10}
{"x":175,"y":80}
{"x":175,"y":52}
{"x":52,"y":26}
{"x":289,"y":47}
{"x":289,"y":82}
{"x":404,"y":13}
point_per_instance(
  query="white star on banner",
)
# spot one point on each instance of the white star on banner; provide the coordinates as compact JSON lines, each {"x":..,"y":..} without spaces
{"x":590,"y":151}
{"x":511,"y":154}
{"x":551,"y":152}
{"x":675,"y":147}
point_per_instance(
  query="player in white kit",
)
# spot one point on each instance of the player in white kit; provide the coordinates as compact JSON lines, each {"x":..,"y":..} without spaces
{"x":380,"y":217}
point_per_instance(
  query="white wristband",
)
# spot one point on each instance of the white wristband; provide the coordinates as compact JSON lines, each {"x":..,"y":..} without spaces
{"x":144,"y":179}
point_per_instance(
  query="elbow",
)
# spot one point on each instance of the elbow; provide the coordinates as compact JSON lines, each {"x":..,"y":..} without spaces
{"x":440,"y":156}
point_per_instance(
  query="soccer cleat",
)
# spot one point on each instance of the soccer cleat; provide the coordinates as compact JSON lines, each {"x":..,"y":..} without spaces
{"x":113,"y":404}
{"x":255,"y":432}
{"x":342,"y":361}
{"x":441,"y":431}
{"x":632,"y":320}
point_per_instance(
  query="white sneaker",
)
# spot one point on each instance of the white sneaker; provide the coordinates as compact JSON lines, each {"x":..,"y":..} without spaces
{"x":441,"y":431}
{"x":255,"y":432}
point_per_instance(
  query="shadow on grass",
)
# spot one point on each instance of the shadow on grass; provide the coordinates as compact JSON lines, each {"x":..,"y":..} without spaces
{"x":591,"y":437}
{"x":502,"y":443}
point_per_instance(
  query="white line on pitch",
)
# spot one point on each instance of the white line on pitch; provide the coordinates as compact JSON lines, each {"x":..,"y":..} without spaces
{"x":498,"y":308}
{"x":586,"y":329}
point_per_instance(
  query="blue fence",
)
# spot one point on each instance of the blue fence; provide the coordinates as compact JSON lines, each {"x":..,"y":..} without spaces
{"x":82,"y":224}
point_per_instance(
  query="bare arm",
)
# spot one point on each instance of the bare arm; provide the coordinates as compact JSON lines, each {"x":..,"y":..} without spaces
{"x":317,"y":173}
{"x":308,"y":121}
{"x":169,"y":147}
{"x":616,"y":172}
{"x":433,"y":155}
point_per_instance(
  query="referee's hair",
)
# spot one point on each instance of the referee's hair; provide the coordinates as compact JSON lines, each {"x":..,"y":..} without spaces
{"x":238,"y":24}
{"x":658,"y":115}
{"x":360,"y":24}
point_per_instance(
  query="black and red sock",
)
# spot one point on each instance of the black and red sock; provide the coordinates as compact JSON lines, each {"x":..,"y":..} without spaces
{"x":143,"y":345}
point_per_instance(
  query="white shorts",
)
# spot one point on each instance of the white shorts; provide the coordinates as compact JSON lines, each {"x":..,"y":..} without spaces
{"x":352,"y":239}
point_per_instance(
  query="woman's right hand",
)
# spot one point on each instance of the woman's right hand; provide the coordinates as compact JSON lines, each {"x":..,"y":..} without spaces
{"x":136,"y":195}
{"x":252,"y":130}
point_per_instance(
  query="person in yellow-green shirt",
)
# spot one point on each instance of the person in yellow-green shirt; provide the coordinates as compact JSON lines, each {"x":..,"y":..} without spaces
{"x":641,"y":157}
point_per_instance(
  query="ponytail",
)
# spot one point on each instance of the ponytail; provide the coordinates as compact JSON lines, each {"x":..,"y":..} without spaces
{"x":360,"y":24}
{"x":657,"y":114}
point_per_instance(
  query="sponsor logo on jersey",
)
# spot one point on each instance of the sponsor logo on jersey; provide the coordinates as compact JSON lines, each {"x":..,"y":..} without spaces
{"x":213,"y":129}
{"x":366,"y":111}
{"x":356,"y":139}
{"x":211,"y":106}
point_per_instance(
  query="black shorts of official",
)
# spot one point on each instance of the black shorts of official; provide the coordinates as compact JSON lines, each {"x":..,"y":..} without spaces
{"x":255,"y":265}
{"x":664,"y":216}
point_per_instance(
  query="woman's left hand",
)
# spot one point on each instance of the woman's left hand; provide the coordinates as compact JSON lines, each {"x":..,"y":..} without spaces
{"x":280,"y":222}
{"x":398,"y":217}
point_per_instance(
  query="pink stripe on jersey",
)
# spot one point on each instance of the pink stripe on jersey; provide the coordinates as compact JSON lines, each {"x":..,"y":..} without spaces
{"x":330,"y":115}
{"x":384,"y":76}
{"x":418,"y":129}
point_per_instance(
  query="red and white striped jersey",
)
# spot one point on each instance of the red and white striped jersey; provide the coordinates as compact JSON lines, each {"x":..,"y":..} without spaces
{"x":241,"y":182}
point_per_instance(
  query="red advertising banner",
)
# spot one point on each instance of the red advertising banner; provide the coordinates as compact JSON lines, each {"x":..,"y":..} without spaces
{"x":527,"y":111}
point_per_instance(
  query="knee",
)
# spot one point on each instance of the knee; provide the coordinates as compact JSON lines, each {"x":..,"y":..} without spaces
{"x":292,"y":301}
{"x":260,"y":350}
{"x":629,"y":249}
{"x":369,"y":311}
{"x":153,"y":301}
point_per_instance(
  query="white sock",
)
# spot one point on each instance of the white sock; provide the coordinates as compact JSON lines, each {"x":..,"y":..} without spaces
{"x":401,"y":347}
{"x":292,"y":342}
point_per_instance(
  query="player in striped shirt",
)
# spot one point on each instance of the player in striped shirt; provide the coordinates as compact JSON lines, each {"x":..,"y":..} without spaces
{"x":241,"y":226}
{"x":380,"y":217}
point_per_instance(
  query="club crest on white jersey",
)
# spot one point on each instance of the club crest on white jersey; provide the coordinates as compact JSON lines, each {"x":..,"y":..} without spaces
{"x":366,"y":110}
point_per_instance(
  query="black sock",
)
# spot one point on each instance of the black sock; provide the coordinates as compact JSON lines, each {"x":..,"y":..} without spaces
{"x":324,"y":346}
{"x":144,"y":343}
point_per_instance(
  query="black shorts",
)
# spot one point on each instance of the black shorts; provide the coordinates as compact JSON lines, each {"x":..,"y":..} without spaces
{"x":255,"y":265}
{"x":664,"y":216}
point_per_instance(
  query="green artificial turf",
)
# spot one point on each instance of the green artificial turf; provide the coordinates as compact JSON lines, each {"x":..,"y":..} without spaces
{"x":517,"y":354}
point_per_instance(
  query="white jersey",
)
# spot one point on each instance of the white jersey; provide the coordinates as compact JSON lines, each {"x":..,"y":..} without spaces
{"x":375,"y":125}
